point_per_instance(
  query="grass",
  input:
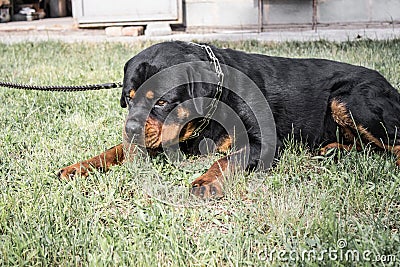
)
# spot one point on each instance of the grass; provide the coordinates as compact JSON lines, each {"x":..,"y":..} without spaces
{"x":304,"y":205}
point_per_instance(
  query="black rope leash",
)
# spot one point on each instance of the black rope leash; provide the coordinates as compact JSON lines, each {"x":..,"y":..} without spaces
{"x":61,"y":88}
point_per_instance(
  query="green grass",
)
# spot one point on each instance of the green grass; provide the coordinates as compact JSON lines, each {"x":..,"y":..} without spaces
{"x":304,"y":204}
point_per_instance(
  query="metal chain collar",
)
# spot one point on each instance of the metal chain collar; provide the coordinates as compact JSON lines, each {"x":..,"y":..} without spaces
{"x":61,"y":88}
{"x":214,"y":103}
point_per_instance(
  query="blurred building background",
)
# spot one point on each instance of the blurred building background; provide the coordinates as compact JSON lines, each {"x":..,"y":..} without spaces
{"x":208,"y":15}
{"x":237,"y":14}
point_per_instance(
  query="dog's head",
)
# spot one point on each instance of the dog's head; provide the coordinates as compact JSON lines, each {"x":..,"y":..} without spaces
{"x":164,"y":104}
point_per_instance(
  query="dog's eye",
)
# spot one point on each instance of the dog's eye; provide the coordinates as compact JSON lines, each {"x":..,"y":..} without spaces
{"x":161,"y":103}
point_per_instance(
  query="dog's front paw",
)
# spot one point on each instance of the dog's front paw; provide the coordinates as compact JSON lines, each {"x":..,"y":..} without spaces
{"x":206,"y":188}
{"x":72,"y":171}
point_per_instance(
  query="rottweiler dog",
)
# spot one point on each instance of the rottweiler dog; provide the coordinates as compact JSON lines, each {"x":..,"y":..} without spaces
{"x":322,"y":103}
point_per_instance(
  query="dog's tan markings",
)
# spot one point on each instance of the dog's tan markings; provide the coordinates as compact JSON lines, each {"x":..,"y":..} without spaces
{"x":347,"y":134}
{"x":225,"y":145}
{"x":152,"y":132}
{"x":187,"y":131}
{"x":210,"y":184}
{"x":368,"y":136}
{"x":323,"y":151}
{"x":170,"y":133}
{"x":156,"y":133}
{"x":132,"y":93}
{"x":342,"y":118}
{"x":112,"y":156}
{"x":340,"y":114}
{"x":150,"y":94}
{"x":396,"y":151}
{"x":183,"y":113}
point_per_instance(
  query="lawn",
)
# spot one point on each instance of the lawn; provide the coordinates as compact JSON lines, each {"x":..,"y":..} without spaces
{"x":340,"y":210}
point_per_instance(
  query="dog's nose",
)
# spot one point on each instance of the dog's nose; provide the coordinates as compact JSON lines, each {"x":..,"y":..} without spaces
{"x":133,"y":128}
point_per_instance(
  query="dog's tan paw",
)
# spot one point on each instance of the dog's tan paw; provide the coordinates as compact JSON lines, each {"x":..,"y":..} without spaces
{"x":72,"y":171}
{"x":207,"y":188}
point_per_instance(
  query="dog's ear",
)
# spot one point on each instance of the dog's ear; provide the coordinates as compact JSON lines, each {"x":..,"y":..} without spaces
{"x":122,"y":101}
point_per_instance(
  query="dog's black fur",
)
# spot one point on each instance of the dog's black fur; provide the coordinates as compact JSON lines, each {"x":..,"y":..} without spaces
{"x":318,"y":102}
{"x":299,"y":93}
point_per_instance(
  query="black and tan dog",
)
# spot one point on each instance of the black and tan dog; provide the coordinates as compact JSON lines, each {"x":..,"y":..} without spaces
{"x":322,"y":103}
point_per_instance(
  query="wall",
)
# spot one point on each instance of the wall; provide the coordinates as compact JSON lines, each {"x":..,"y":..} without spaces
{"x":243,"y":14}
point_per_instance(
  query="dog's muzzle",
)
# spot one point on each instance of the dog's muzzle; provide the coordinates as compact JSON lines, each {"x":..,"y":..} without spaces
{"x":134,"y":132}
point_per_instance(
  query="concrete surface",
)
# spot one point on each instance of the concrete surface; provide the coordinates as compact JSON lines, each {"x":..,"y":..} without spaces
{"x":157,"y":29}
{"x":66,"y":30}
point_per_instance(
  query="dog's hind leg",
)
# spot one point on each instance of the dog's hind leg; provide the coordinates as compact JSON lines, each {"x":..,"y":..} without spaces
{"x":341,"y":135}
{"x":374,"y":123}
{"x":396,"y":151}
{"x":323,"y":151}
